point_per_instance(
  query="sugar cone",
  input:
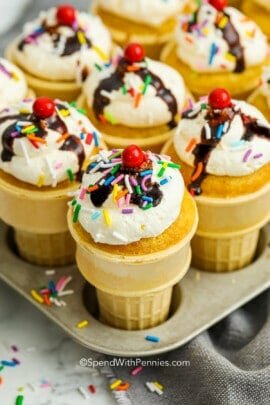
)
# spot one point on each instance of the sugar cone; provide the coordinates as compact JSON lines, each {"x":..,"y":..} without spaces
{"x":134,"y":291}
{"x":68,"y":91}
{"x":228,"y":230}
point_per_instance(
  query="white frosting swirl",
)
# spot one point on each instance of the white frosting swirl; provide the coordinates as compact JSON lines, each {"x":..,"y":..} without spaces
{"x":13,"y":86}
{"x":45,"y":164}
{"x":263,"y":3}
{"x":151,"y":110}
{"x":128,"y":228}
{"x":205,"y":50}
{"x":150,"y":12}
{"x":42,"y":57}
{"x":232,"y":156}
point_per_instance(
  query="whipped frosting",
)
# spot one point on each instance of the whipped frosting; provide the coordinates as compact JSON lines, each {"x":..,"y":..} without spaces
{"x":123,"y":97}
{"x":150,"y":12}
{"x":232,"y":142}
{"x":45,"y":152}
{"x":13,"y":86}
{"x":210,"y":43}
{"x":264,"y":88}
{"x":263,"y":3}
{"x":51,"y":51}
{"x":120,"y":221}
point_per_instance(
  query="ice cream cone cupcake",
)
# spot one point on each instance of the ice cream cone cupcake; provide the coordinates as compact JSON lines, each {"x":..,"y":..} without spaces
{"x":13,"y":86}
{"x":135,"y":98}
{"x":151,"y":23}
{"x":261,"y":96}
{"x":49,"y":49}
{"x":223,"y":146}
{"x":133,"y":228}
{"x":44,"y":144}
{"x":259,"y":11}
{"x":217,"y":46}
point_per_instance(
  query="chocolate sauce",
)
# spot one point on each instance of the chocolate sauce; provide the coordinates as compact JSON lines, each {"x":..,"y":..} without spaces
{"x":202,"y":151}
{"x":72,"y":143}
{"x":99,"y":196}
{"x":253,"y":128}
{"x":72,"y":43}
{"x":116,"y":81}
{"x":232,"y":38}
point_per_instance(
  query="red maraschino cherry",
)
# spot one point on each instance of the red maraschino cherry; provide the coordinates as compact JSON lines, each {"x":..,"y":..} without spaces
{"x":134,"y":53}
{"x":219,"y":99}
{"x":218,"y":4}
{"x":44,"y":107}
{"x":133,"y":156}
{"x":66,"y":14}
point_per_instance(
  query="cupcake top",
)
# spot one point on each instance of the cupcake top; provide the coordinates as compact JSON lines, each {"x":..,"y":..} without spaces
{"x":128,"y":195}
{"x":136,"y":91}
{"x":44,"y":142}
{"x":51,"y":46}
{"x":263,"y":3}
{"x":13,"y":86}
{"x":222,"y":137}
{"x":150,"y":12}
{"x":264,"y":88}
{"x":217,"y":38}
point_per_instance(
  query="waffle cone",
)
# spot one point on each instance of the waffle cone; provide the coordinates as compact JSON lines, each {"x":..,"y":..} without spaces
{"x":228,"y":230}
{"x":134,"y":291}
{"x":68,"y":91}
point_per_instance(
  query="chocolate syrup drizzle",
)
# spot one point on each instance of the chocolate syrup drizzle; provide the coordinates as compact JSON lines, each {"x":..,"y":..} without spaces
{"x":116,"y":81}
{"x":231,"y":36}
{"x":203,"y":150}
{"x":72,"y":44}
{"x":72,"y":143}
{"x":99,"y":196}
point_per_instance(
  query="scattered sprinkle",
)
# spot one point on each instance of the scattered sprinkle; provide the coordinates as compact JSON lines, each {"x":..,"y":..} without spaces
{"x":37,"y":297}
{"x":136,"y":370}
{"x":19,"y":400}
{"x":152,"y":338}
{"x":82,"y":324}
{"x":115,"y":384}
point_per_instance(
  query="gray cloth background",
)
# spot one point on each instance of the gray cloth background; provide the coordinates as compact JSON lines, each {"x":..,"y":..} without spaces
{"x":230,"y":363}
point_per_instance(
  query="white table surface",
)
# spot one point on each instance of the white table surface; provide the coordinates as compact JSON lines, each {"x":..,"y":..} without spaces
{"x":46,"y":354}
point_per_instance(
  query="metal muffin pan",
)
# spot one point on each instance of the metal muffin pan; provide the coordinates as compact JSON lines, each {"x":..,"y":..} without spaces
{"x":199,"y":301}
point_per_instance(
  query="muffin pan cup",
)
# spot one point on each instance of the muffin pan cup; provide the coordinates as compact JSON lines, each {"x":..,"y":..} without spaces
{"x":199,"y":301}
